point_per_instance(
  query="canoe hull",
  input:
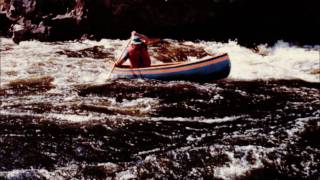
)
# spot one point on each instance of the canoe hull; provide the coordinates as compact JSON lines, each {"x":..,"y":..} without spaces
{"x":213,"y":68}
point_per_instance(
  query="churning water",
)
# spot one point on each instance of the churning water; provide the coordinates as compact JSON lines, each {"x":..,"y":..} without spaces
{"x":61,"y":118}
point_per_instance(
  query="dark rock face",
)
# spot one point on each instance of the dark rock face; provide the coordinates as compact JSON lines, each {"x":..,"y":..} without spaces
{"x":5,"y":24}
{"x":96,"y":52}
{"x":29,"y":31}
{"x":43,"y":20}
{"x":246,"y":20}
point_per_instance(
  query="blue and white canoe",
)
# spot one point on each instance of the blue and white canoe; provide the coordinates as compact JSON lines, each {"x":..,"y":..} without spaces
{"x":212,"y":67}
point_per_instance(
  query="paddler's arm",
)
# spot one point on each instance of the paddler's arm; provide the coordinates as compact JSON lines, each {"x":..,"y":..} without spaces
{"x":123,"y":59}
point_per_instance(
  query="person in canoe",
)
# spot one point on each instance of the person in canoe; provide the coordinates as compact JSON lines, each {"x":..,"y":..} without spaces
{"x":137,"y":53}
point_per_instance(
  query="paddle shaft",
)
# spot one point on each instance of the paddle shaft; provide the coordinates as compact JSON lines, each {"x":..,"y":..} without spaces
{"x":115,"y":62}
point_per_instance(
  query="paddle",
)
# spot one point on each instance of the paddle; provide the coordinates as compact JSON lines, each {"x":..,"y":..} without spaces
{"x":115,"y":62}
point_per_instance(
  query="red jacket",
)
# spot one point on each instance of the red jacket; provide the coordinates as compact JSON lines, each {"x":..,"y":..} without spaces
{"x":139,"y":56}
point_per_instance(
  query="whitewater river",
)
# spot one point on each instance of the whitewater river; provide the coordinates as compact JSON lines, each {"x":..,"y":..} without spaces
{"x":61,"y":118}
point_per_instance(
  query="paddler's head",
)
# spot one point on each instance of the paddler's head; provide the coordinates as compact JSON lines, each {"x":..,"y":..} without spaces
{"x":136,"y":41}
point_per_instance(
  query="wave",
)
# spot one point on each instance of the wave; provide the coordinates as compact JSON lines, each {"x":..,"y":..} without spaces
{"x":32,"y":59}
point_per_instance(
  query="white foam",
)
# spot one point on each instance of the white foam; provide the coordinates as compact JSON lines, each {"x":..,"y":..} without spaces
{"x":282,"y":61}
{"x":192,"y":138}
{"x":125,"y":175}
{"x":37,"y":59}
{"x":71,"y":117}
{"x":6,"y":112}
{"x":34,"y":58}
{"x":61,"y":117}
{"x":59,"y":173}
{"x":139,"y":105}
{"x":239,"y":166}
{"x":299,"y":126}
{"x":197,"y":119}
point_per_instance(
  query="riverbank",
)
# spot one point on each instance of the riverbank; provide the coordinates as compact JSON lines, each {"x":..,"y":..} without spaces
{"x":247,"y":21}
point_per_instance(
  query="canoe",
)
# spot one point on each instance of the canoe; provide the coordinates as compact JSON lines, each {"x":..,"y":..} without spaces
{"x":212,"y":67}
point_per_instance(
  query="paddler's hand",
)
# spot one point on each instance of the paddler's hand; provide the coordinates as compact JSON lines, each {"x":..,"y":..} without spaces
{"x":117,"y":64}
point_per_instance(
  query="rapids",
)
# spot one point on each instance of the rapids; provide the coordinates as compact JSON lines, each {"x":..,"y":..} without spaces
{"x":61,"y":118}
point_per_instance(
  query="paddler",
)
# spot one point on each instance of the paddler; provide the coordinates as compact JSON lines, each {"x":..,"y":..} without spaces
{"x":137,"y":53}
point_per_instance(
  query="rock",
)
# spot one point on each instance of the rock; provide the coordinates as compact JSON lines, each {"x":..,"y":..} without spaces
{"x":32,"y":85}
{"x":101,"y":171}
{"x":249,"y":21}
{"x":5,"y":24}
{"x":64,"y":28}
{"x":30,"y":31}
{"x":43,"y":20}
{"x":43,"y":82}
{"x":172,"y":51}
{"x":96,"y":52}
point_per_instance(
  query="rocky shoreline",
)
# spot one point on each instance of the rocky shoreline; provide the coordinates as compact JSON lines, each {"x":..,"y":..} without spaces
{"x":247,"y":21}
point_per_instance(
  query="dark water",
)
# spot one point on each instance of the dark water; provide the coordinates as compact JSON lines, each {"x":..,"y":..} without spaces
{"x":164,"y":130}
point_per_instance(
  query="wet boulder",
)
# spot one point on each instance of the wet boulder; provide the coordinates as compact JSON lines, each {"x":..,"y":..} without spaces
{"x":174,"y":51}
{"x":30,"y":31}
{"x":42,"y":20}
{"x":96,"y":52}
{"x":5,"y":24}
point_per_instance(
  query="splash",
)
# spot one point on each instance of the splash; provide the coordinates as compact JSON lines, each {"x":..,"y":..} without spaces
{"x":33,"y":58}
{"x":281,"y":61}
{"x":60,"y":119}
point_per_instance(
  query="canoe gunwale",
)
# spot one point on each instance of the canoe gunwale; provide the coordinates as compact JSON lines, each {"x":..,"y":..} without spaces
{"x":178,"y":65}
{"x":214,"y":67}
